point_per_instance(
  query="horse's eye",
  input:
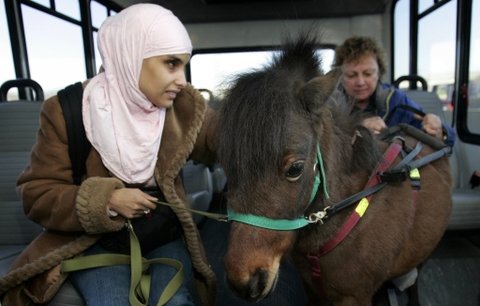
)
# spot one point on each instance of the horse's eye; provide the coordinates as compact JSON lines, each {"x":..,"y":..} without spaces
{"x":295,"y":171}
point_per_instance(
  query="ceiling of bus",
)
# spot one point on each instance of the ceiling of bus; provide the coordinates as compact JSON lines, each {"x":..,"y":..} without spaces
{"x":192,"y":11}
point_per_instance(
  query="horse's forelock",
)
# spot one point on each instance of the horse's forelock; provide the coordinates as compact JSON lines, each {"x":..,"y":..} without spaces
{"x":252,"y":132}
{"x":300,"y":54}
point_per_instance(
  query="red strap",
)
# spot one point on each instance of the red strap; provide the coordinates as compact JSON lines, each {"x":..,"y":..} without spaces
{"x":314,"y":258}
{"x":388,"y":158}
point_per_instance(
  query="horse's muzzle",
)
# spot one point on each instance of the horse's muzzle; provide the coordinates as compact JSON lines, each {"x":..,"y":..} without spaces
{"x":256,"y":288}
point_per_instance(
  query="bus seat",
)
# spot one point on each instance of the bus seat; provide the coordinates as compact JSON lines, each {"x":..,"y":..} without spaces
{"x":197,"y":180}
{"x":18,"y":128}
{"x":464,"y":160}
{"x":201,"y":183}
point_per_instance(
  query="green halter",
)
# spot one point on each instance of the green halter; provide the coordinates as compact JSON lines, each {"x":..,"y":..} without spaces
{"x":285,"y":224}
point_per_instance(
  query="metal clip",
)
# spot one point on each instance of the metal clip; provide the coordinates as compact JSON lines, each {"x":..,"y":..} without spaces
{"x":129,"y":226}
{"x":223,"y":218}
{"x":318,"y":216}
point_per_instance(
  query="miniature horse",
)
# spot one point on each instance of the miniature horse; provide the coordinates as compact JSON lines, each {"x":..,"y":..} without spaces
{"x":280,"y":128}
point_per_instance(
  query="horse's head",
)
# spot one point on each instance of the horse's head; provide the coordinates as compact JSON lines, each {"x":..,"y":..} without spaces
{"x":270,"y":125}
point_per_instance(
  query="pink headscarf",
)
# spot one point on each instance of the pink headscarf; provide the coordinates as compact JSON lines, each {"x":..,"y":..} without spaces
{"x":120,"y":122}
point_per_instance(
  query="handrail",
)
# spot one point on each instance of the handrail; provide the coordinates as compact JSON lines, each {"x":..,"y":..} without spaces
{"x":412,"y":79}
{"x":21,"y":83}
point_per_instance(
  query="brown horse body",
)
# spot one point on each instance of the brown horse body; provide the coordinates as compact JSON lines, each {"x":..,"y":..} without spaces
{"x":271,"y":123}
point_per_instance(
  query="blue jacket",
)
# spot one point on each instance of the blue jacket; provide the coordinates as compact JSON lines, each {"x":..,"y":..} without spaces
{"x":384,"y":103}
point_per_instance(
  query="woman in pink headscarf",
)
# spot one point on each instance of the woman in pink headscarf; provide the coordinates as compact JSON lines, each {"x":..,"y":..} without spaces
{"x":143,"y":121}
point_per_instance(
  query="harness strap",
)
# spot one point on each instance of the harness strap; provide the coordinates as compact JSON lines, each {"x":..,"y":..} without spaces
{"x":388,"y":158}
{"x":140,"y":281}
{"x":333,"y":209}
{"x":314,"y":258}
{"x":409,"y":157}
{"x":445,"y":151}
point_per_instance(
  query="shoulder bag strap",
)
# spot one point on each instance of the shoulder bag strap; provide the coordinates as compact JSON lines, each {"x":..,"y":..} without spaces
{"x":78,"y":145}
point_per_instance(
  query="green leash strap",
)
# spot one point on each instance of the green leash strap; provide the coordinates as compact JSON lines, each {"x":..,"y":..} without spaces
{"x":140,"y":281}
{"x":264,"y":222}
{"x":214,"y":216}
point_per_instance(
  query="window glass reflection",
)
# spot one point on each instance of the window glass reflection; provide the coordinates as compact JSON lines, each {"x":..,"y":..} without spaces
{"x":214,"y":71}
{"x":436,"y":51}
{"x":401,"y":34}
{"x":474,"y":72}
{"x":45,"y":3}
{"x":69,"y":8}
{"x":7,"y":72}
{"x":99,"y":13}
{"x":56,"y":58}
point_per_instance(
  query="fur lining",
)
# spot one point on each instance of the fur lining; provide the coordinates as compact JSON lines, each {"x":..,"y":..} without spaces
{"x":92,"y":199}
{"x":45,"y":263}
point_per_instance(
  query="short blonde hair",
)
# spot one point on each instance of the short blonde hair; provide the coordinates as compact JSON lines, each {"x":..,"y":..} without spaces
{"x":355,"y":47}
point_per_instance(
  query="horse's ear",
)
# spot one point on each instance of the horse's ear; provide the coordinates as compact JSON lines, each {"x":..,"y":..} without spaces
{"x":323,"y":90}
{"x":316,"y":92}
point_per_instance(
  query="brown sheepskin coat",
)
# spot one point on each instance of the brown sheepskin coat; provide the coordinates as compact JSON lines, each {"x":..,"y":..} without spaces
{"x":74,"y":217}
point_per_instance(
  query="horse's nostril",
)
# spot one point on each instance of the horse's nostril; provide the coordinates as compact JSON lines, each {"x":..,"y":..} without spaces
{"x":257,"y":284}
{"x":252,"y":290}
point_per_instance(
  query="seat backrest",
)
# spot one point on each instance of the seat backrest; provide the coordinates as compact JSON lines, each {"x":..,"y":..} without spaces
{"x":431,"y":103}
{"x":464,"y":160}
{"x":18,"y":129}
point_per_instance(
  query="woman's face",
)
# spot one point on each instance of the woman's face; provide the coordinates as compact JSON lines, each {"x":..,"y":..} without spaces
{"x":360,"y":77}
{"x":163,"y":77}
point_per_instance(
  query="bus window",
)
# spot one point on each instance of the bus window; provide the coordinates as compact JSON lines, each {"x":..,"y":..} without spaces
{"x":401,"y":31}
{"x":7,"y":71}
{"x":213,"y":71}
{"x":45,"y":3}
{"x":56,"y":59}
{"x":423,"y":5}
{"x":436,"y":46}
{"x":473,"y":118}
{"x":68,"y":8}
{"x":99,"y":13}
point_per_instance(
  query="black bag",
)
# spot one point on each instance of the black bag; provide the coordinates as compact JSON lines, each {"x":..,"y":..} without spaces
{"x":155,"y":229}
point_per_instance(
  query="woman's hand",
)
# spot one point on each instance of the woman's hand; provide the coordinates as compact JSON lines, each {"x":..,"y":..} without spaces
{"x":374,"y":124}
{"x":432,"y":125}
{"x":131,"y":202}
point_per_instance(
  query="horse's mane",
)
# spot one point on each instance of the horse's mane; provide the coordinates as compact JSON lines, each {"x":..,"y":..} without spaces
{"x":253,"y":115}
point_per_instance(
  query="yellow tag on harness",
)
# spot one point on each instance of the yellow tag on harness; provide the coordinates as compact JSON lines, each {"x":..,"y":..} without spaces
{"x":414,"y":174}
{"x":362,"y":207}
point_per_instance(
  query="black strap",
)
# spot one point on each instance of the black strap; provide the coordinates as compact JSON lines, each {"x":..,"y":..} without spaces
{"x":333,"y":209}
{"x":78,"y":145}
{"x":389,"y":133}
{"x":405,"y":107}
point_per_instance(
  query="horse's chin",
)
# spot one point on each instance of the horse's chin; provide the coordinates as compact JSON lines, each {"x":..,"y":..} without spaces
{"x":258,"y":286}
